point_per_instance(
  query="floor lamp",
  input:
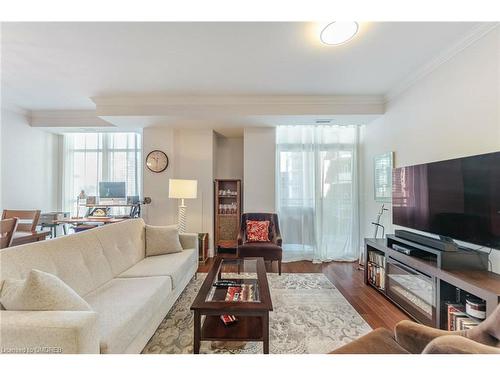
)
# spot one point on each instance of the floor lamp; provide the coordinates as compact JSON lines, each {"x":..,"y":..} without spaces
{"x":182,"y":189}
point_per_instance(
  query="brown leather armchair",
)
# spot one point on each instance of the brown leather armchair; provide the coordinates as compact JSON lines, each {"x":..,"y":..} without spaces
{"x":271,"y":250}
{"x":413,"y":338}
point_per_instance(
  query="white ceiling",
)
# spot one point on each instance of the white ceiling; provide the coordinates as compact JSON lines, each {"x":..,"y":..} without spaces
{"x":60,"y":66}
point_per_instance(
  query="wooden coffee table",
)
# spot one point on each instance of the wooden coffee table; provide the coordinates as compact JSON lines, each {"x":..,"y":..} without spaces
{"x":252,"y":316}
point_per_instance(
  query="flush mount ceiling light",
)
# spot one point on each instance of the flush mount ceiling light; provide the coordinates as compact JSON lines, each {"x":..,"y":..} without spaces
{"x":336,"y":33}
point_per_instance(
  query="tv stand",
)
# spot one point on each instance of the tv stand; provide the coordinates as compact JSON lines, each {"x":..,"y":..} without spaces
{"x":453,"y":284}
{"x":459,"y":258}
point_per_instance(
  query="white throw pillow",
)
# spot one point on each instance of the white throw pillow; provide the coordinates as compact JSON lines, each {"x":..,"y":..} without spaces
{"x":162,"y":240}
{"x":40,"y":291}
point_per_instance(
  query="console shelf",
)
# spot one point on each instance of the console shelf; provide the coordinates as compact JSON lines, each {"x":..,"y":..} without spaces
{"x":429,"y":272}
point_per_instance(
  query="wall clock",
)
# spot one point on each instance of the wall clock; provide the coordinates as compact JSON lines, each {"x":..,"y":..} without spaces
{"x":157,"y":161}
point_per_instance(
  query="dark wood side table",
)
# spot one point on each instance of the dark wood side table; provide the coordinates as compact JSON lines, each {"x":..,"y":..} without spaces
{"x":202,"y":247}
{"x":253,"y":317}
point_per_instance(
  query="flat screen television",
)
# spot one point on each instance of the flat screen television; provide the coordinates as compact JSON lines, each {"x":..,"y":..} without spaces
{"x":112,"y":190}
{"x":456,"y":199}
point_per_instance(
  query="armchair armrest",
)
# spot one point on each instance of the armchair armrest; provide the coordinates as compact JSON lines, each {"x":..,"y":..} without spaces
{"x":189,"y":240}
{"x":453,"y":344}
{"x":51,"y":332}
{"x":278,"y":240}
{"x":414,"y":337}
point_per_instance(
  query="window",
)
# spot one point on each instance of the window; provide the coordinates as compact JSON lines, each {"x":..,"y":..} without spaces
{"x":93,"y":157}
{"x":317,"y":192}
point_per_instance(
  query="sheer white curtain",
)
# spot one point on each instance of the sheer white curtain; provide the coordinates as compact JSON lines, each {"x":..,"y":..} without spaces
{"x":317,"y":192}
{"x":93,"y":157}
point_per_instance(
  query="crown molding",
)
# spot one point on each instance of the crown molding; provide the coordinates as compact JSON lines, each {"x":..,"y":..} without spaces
{"x":469,"y":39}
{"x":156,"y":105}
{"x":67,"y":119}
{"x":15,"y":109}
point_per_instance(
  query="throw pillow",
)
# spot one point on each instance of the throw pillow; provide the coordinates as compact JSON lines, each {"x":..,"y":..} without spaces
{"x":162,"y":240}
{"x":40,"y":291}
{"x":257,"y":231}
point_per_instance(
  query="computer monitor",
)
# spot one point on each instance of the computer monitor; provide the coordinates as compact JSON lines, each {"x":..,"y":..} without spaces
{"x":112,"y":191}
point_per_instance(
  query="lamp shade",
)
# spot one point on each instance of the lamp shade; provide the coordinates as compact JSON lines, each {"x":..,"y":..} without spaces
{"x":182,"y":189}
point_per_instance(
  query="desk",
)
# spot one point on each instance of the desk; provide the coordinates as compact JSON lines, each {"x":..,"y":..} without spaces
{"x":135,"y":208}
{"x":21,"y":238}
{"x":49,"y":220}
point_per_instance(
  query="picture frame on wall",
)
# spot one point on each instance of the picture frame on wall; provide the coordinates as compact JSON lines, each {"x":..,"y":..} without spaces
{"x":382,"y":177}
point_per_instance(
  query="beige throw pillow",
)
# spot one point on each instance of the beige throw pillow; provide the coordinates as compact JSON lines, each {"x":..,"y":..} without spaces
{"x":40,"y":291}
{"x":162,"y":240}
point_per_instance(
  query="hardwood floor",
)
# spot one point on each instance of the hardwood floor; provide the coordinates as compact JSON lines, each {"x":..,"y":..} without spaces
{"x":348,"y":279}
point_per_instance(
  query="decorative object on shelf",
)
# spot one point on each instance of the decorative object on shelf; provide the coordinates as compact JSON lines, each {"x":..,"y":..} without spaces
{"x":157,"y":161}
{"x":475,"y":307}
{"x":182,"y":189}
{"x":382,"y":177}
{"x":227,"y":207}
{"x":377,"y":224}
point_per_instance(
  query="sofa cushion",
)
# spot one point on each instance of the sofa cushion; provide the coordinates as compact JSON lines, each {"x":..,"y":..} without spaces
{"x":40,"y":291}
{"x":77,"y":259}
{"x":123,"y":243}
{"x":257,"y":231}
{"x":162,"y":240}
{"x":175,"y":265}
{"x":124,"y":306}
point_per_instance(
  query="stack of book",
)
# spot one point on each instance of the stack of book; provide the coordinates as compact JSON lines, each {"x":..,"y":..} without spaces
{"x":376,"y":275}
{"x":458,"y":319}
{"x":377,"y":258}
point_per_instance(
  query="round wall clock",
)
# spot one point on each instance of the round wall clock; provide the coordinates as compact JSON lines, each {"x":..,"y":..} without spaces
{"x":157,"y":161}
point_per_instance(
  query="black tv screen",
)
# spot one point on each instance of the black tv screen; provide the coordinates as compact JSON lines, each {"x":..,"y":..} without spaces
{"x":457,"y":198}
{"x":112,"y":190}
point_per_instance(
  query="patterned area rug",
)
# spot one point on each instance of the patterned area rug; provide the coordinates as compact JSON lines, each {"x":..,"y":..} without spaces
{"x":310,"y":316}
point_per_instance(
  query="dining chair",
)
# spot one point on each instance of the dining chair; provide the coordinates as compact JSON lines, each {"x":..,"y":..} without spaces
{"x":7,"y":229}
{"x":28,"y":219}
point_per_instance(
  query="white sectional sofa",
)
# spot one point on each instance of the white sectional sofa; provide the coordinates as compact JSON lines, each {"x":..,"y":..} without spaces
{"x":129,"y":293}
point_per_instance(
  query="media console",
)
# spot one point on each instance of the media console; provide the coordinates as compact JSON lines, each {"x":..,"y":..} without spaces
{"x":424,"y":281}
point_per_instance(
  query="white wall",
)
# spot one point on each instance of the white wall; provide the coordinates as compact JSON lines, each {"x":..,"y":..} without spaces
{"x":452,"y":112}
{"x":194,"y":153}
{"x":29,"y":165}
{"x":162,"y":210}
{"x":229,"y":158}
{"x":259,"y":169}
{"x":191,"y":156}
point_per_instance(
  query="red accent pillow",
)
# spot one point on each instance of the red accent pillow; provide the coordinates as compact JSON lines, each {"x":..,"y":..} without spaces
{"x":257,"y":231}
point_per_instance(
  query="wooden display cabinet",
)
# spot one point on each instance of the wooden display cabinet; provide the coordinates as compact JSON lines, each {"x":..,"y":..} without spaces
{"x":227,"y":216}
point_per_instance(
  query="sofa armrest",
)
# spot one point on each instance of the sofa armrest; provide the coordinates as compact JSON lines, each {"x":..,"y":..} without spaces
{"x":189,"y":240}
{"x":414,"y":337}
{"x":458,"y":345}
{"x":50,"y":332}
